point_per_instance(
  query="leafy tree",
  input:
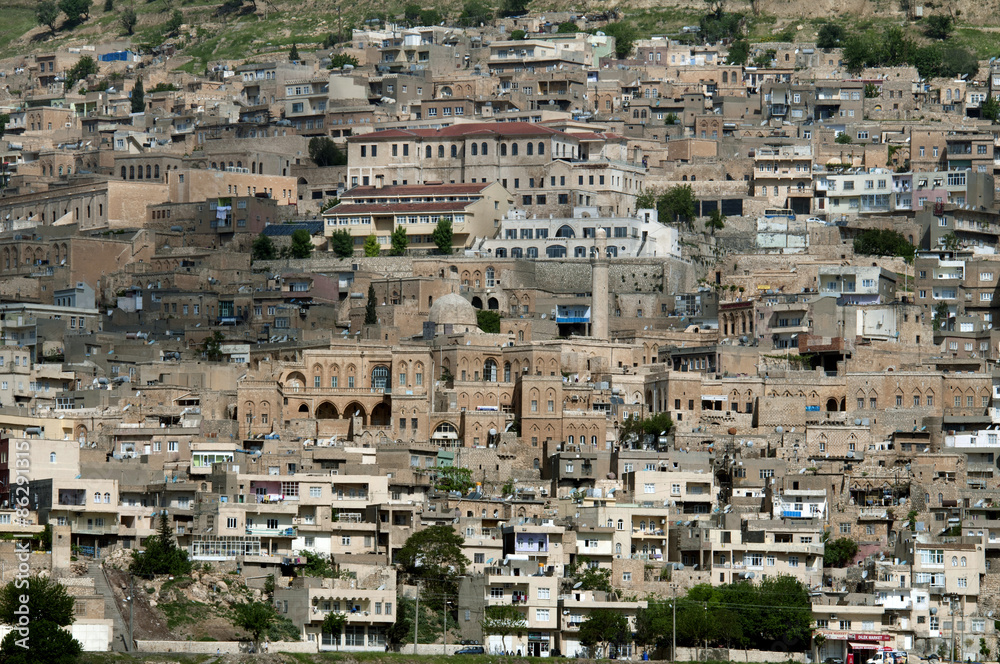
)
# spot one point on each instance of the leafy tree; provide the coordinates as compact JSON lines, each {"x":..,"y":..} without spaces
{"x":256,"y":618}
{"x":411,"y":12}
{"x":989,"y":109}
{"x":764,"y":60}
{"x":109,"y":5}
{"x":127,"y":20}
{"x":162,"y":555}
{"x":371,"y":315}
{"x":830,"y":35}
{"x":843,"y":138}
{"x":839,"y":552}
{"x":941,"y":316}
{"x":677,"y":203}
{"x":591,"y":578}
{"x":75,"y":10}
{"x":430,"y":17}
{"x":473,"y":13}
{"x":212,"y":346}
{"x":435,"y":556}
{"x":342,"y":243}
{"x":163,"y":87}
{"x":333,"y":623}
{"x":716,"y":221}
{"x":46,"y":13}
{"x":45,"y":643}
{"x":339,"y":61}
{"x":371,"y":246}
{"x":654,"y":624}
{"x":518,"y":35}
{"x":883,"y":242}
{"x":138,"y":97}
{"x":83,"y":68}
{"x":399,"y":242}
{"x":48,"y":601}
{"x":502,"y":620}
{"x":401,"y":631}
{"x":316,"y":565}
{"x":604,"y":627}
{"x":488,"y":321}
{"x":302,"y":245}
{"x":293,"y":55}
{"x":442,"y":236}
{"x":263,"y":249}
{"x":513,"y":7}
{"x":173,"y":26}
{"x":634,"y":428}
{"x":452,"y":478}
{"x":324,"y":152}
{"x":671,"y":119}
{"x":567,"y":27}
{"x":938,"y":26}
{"x":872,"y":91}
{"x":718,"y":25}
{"x":739,"y":52}
{"x":625,"y":35}
{"x":646,"y":200}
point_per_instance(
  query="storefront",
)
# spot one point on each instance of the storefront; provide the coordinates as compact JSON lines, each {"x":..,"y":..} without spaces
{"x":851,"y":647}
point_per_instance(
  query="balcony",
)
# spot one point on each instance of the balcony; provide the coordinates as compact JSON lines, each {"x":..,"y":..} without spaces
{"x":271,"y":532}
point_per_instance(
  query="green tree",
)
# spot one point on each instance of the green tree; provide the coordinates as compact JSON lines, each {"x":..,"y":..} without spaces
{"x":677,"y":204}
{"x":302,"y":245}
{"x":830,"y":35}
{"x":84,"y":67}
{"x":989,"y":109}
{"x":843,"y":138}
{"x":518,"y":35}
{"x":430,"y":17}
{"x":161,"y":555}
{"x":625,"y":35}
{"x":316,"y":565}
{"x":45,"y":643}
{"x":333,"y":624}
{"x":567,"y":28}
{"x":47,"y":601}
{"x":128,"y":19}
{"x":263,"y":249}
{"x":883,"y":242}
{"x":473,"y":13}
{"x":604,"y":628}
{"x":634,"y":429}
{"x":401,"y":631}
{"x":434,"y":555}
{"x":174,"y":23}
{"x":739,"y":52}
{"x":212,"y":346}
{"x":591,"y":578}
{"x":411,"y":12}
{"x":654,"y":624}
{"x":502,"y":620}
{"x":442,"y":236}
{"x":453,"y":478}
{"x":488,"y":321}
{"x":371,"y":246}
{"x":839,"y":552}
{"x":293,"y":55}
{"x":513,"y":7}
{"x":109,"y":6}
{"x":324,"y":152}
{"x":718,"y":25}
{"x":941,"y":316}
{"x":256,"y":618}
{"x":46,"y":13}
{"x":339,"y":61}
{"x":75,"y":10}
{"x":342,"y":243}
{"x":716,"y":221}
{"x":371,"y":315}
{"x":647,"y":199}
{"x":398,"y":242}
{"x":138,"y":97}
{"x":938,"y":26}
{"x":671,"y":119}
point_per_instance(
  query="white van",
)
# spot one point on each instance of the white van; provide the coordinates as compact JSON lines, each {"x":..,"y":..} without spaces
{"x":888,"y":657}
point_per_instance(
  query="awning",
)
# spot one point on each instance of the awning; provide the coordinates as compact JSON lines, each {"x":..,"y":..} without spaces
{"x":857,"y":645}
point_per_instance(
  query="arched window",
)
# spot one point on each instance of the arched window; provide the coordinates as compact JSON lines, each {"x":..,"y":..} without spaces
{"x":97,"y":497}
{"x":954,"y":561}
{"x":593,"y":440}
{"x":555,"y":251}
{"x":490,"y":371}
{"x":441,"y":152}
{"x":156,"y":171}
{"x":618,"y":548}
{"x":517,"y":252}
{"x":565,"y":231}
{"x":131,"y":172}
{"x":571,"y":442}
{"x":541,"y":147}
{"x":107,"y":498}
{"x":475,"y":149}
{"x":123,"y":173}
{"x":483,"y":149}
{"x":964,"y":561}
{"x":149,"y":172}
{"x":532,"y":252}
{"x":503,"y":149}
{"x":621,"y":524}
{"x":536,"y":464}
{"x":506,"y":372}
{"x":529,"y":149}
{"x":427,"y":152}
{"x":725,"y":77}
{"x":490,"y":277}
{"x":380,"y":377}
{"x":52,"y":457}
{"x":454,"y":151}
{"x":513,"y":149}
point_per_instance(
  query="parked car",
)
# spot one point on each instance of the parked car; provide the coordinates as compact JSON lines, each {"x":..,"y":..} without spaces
{"x":833,"y":660}
{"x":471,"y":650}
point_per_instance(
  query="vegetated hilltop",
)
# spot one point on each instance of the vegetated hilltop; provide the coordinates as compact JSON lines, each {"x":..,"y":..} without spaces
{"x":239,"y":30}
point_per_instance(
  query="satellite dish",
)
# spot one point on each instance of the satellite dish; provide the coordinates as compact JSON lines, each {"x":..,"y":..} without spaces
{"x":750,"y":575}
{"x":933,"y":610}
{"x":577,"y":585}
{"x":864,"y":575}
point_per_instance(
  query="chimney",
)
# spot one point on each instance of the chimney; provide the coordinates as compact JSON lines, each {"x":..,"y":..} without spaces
{"x":379,"y":179}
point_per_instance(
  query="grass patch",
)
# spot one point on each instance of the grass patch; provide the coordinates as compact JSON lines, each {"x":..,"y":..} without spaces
{"x":983,"y":44}
{"x":181,"y":613}
{"x":16,"y":22}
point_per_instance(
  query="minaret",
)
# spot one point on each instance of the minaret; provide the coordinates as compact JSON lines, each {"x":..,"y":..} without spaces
{"x":599,"y":287}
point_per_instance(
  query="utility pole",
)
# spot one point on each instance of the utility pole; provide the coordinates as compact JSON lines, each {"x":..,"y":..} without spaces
{"x":673,"y":631}
{"x":131,"y":603}
{"x":444,"y":646}
{"x":416,"y":620}
{"x":951,"y":655}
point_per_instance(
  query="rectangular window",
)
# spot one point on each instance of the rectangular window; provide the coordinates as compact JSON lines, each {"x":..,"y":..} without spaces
{"x":541,"y":615}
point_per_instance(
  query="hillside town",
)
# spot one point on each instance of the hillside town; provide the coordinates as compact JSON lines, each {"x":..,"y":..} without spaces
{"x":548,"y":339}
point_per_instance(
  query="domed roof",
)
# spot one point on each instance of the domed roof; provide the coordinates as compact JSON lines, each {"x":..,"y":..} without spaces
{"x":452,"y":309}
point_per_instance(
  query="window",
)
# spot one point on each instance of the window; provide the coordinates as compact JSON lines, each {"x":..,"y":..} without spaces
{"x":541,"y":615}
{"x":231,"y":522}
{"x":931,"y":557}
{"x":315,"y":492}
{"x":793,"y":561}
{"x":845,"y":528}
{"x":649,"y":487}
{"x":544,"y":593}
{"x":496,"y":593}
{"x":345,"y":540}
